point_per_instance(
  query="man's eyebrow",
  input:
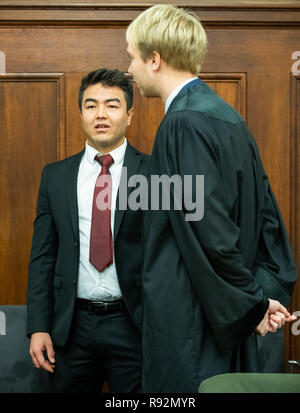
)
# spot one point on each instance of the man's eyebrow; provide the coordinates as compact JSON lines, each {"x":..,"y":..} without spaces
{"x":106,"y":101}
{"x":90,"y":100}
{"x":113,"y":100}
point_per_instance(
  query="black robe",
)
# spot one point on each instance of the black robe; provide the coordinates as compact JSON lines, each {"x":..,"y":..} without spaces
{"x":206,"y":282}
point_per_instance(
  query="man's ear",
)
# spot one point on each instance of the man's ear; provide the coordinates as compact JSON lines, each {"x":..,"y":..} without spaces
{"x":155,"y":60}
{"x":130,"y":113}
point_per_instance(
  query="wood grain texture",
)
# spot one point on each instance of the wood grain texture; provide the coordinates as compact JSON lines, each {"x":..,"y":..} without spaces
{"x":213,"y":13}
{"x":29,"y":138}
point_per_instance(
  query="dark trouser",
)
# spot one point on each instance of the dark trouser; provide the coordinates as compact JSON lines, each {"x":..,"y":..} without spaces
{"x":100,"y":348}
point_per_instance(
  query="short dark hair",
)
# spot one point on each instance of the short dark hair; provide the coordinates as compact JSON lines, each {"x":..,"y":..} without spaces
{"x":107,"y":77}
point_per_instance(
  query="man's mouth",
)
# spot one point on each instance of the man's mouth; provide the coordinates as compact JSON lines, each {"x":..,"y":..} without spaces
{"x":102,"y":126}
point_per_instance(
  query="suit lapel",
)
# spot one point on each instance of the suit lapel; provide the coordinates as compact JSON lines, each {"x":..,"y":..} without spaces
{"x":132,"y":160}
{"x":71,"y":191}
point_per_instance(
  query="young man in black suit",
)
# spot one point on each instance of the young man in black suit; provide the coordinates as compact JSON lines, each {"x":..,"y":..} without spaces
{"x":84,"y":274}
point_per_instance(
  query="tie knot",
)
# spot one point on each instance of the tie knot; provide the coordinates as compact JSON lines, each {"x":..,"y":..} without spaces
{"x":105,"y":160}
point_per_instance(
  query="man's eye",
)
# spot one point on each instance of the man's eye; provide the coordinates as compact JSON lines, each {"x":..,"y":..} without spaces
{"x":90,"y":106}
{"x":113,"y":106}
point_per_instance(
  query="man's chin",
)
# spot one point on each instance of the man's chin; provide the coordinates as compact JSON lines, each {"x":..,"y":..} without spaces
{"x":147,"y":93}
{"x":141,"y":90}
{"x":106,"y":145}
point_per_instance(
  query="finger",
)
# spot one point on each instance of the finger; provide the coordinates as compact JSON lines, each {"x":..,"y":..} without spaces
{"x":291,"y":318}
{"x":283,"y":317}
{"x":272,"y":330}
{"x":275,"y":318}
{"x":49,"y":366}
{"x":50,"y":353}
{"x":263,"y":329}
{"x":283,"y":310}
{"x":44,"y":364}
{"x":273,"y":325}
{"x":34,"y":360}
{"x":280,"y":314}
{"x":280,"y":321}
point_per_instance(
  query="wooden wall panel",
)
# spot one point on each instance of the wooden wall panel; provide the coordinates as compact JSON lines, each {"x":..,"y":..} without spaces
{"x":74,"y":135}
{"x":63,"y":49}
{"x":30,"y":137}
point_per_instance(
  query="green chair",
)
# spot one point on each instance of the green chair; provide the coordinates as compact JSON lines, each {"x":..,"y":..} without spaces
{"x":251,"y":383}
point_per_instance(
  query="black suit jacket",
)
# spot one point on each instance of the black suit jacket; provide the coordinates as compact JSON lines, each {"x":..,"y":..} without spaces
{"x":54,"y":260}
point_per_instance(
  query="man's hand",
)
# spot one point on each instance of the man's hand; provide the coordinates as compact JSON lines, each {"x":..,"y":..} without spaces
{"x":275,"y":318}
{"x":263,"y":327}
{"x":278,"y":315}
{"x":39,"y":343}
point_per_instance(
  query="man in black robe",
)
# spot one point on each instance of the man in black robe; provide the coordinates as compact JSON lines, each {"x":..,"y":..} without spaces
{"x":214,"y":273}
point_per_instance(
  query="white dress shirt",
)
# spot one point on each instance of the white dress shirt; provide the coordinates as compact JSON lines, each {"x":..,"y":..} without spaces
{"x":176,"y":91}
{"x":92,"y":284}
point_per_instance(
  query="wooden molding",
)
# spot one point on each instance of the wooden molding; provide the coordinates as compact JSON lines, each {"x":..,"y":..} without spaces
{"x":91,"y":13}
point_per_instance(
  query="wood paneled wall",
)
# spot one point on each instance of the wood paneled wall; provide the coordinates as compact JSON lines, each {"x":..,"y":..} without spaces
{"x":49,"y":46}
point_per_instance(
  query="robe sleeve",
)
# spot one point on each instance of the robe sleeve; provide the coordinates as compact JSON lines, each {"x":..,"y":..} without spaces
{"x":275,"y":268}
{"x":231,"y":299}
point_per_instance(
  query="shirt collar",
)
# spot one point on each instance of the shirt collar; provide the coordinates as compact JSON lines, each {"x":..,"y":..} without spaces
{"x":176,"y":91}
{"x":117,"y":154}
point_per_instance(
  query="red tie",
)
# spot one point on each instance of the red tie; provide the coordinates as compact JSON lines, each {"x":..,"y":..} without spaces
{"x":101,"y":246}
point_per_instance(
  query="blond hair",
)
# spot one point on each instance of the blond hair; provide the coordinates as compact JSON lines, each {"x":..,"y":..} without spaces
{"x":176,"y":34}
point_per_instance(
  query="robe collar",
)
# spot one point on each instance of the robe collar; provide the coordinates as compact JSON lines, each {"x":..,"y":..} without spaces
{"x":182,"y":86}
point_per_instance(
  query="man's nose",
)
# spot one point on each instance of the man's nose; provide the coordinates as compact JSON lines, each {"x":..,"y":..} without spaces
{"x":101,"y":113}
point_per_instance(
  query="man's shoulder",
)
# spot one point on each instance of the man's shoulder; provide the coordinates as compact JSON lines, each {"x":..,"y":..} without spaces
{"x":202,"y":102}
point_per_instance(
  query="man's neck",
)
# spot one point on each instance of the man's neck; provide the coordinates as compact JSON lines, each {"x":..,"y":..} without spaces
{"x":170,"y":81}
